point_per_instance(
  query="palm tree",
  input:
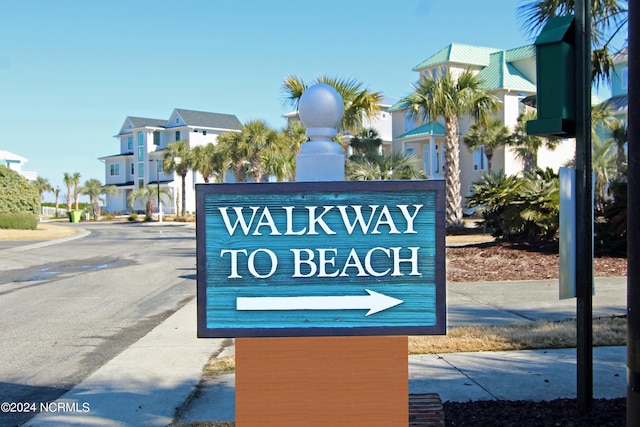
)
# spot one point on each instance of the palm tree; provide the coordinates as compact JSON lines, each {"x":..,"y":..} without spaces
{"x":376,"y":167}
{"x":366,"y":142}
{"x":208,"y":160}
{"x":76,"y":189}
{"x":451,"y":98}
{"x":279,"y":159}
{"x":619,"y":135}
{"x":359,"y":102}
{"x":244,"y":149}
{"x":68,"y":181}
{"x":257,"y":136}
{"x":147,"y":195}
{"x":491,"y":136}
{"x":94,"y":189}
{"x":603,"y":157}
{"x":609,"y":18}
{"x":179,"y":150}
{"x":43,"y":186}
{"x":57,"y":194}
{"x":231,"y":145}
{"x":526,"y":146}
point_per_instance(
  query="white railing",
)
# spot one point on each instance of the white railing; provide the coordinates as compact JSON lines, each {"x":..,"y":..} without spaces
{"x":51,"y":212}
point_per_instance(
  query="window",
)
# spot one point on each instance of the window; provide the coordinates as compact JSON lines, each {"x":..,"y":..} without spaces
{"x":156,"y":138}
{"x":114,"y":170}
{"x":410,"y":151}
{"x":130,"y":143}
{"x":204,"y":132}
{"x":177,"y":120}
{"x":141,"y":183}
{"x":140,"y":139}
{"x":133,"y":169}
{"x":409,"y":121}
{"x":140,"y":154}
{"x":177,"y":135}
{"x":479,"y":159}
{"x":140,"y":170}
{"x":625,"y":78}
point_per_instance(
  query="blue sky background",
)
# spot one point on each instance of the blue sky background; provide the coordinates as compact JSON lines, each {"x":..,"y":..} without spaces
{"x":71,"y":71}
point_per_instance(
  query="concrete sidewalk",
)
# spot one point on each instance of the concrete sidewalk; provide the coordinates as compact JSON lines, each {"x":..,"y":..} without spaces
{"x":159,"y":377}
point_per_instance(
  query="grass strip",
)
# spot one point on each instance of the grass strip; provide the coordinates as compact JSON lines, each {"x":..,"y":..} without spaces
{"x":542,"y":334}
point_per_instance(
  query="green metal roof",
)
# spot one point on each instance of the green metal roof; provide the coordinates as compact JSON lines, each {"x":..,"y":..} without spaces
{"x":431,"y":128}
{"x":502,"y":75}
{"x":459,"y":53}
{"x":518,"y":53}
{"x":403,"y":104}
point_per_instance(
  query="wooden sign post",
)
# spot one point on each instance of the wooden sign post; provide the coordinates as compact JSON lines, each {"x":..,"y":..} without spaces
{"x":320,"y":283}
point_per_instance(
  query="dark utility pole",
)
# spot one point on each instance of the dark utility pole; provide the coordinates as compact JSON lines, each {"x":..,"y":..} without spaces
{"x":633,"y":221}
{"x":584,"y":206}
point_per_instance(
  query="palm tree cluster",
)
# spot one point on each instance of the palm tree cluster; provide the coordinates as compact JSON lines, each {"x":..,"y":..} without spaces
{"x":92,"y":188}
{"x":517,"y":207}
{"x":369,"y":163}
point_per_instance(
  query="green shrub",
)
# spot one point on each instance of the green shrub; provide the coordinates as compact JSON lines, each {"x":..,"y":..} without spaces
{"x":17,"y":195}
{"x":132,"y":217}
{"x":19,"y":220}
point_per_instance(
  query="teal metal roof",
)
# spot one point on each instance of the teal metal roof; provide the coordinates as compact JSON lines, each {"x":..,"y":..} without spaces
{"x":403,"y":104}
{"x":431,"y":128}
{"x":459,"y":53}
{"x":502,"y":75}
{"x":522,"y":52}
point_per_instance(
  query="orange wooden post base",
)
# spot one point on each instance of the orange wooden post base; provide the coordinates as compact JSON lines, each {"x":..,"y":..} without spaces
{"x":322,"y":381}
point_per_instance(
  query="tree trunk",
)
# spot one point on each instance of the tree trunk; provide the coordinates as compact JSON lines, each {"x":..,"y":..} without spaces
{"x":452,"y":173}
{"x":96,"y":210}
{"x":178,"y":203}
{"x":619,"y":162}
{"x":240,"y":172}
{"x":184,"y":197}
{"x":150,"y":208}
{"x":488,"y":151}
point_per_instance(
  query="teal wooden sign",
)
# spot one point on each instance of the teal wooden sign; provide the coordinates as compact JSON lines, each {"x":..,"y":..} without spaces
{"x":321,"y":259}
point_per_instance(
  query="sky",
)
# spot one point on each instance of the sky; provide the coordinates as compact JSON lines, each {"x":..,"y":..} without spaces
{"x":71,"y":71}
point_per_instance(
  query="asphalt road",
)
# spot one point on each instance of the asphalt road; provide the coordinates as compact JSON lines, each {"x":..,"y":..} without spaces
{"x":68,"y":308}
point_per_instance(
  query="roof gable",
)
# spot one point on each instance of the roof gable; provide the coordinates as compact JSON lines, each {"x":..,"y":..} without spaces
{"x":140,"y":122}
{"x":181,"y":117}
{"x":621,"y":57}
{"x":459,"y":53}
{"x":500,"y":74}
{"x":431,"y":128}
{"x":7,"y":156}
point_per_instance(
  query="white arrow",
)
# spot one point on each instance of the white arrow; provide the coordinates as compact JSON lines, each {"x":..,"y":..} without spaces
{"x":374,"y":302}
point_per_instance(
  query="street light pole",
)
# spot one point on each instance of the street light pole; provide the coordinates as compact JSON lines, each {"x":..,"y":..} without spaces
{"x":158,"y":182}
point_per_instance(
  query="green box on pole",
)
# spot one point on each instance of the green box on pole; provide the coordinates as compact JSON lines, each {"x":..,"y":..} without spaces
{"x":556,"y":70}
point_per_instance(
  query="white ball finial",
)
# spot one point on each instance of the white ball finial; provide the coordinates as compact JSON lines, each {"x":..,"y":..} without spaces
{"x":321,"y":106}
{"x":320,"y":110}
{"x":320,"y":159}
